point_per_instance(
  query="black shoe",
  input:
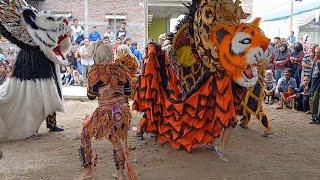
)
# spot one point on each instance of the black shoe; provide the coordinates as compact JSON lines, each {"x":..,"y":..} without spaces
{"x":56,"y":129}
{"x":314,"y":122}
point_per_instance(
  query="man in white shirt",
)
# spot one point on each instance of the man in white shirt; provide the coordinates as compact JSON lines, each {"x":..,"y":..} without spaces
{"x":86,"y":59}
{"x":77,"y":32}
{"x":110,"y":34}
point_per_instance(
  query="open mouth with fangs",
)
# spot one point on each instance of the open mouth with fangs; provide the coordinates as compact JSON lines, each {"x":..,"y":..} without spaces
{"x":248,"y":73}
{"x":249,"y":77}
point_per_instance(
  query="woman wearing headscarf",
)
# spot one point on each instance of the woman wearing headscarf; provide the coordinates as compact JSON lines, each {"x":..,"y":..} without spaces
{"x":281,"y":60}
{"x":296,"y":62}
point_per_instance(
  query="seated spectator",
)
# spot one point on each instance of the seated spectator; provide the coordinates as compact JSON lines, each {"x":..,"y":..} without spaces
{"x":77,"y":78}
{"x":67,"y":80}
{"x":2,"y":56}
{"x":71,"y":59}
{"x":63,"y":70}
{"x":288,"y":98}
{"x":284,"y":83}
{"x":303,"y":95}
{"x":11,"y":55}
{"x":3,"y":73}
{"x":270,"y":88}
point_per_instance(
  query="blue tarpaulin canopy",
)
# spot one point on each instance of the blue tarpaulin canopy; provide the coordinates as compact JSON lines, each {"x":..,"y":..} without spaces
{"x":284,"y":14}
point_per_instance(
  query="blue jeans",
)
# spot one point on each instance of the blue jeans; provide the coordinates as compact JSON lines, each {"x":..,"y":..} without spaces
{"x":278,"y":73}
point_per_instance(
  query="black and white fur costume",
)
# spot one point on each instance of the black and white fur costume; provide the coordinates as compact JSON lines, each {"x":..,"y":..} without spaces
{"x":34,"y":91}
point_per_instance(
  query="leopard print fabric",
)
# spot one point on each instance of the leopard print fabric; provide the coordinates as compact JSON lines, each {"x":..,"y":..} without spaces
{"x":252,"y":103}
{"x":195,"y":32}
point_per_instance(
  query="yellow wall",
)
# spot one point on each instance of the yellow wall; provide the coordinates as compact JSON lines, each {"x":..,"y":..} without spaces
{"x":157,"y":27}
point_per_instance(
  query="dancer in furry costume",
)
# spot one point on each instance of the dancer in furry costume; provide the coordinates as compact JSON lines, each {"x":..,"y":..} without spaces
{"x":215,"y":54}
{"x":33,"y":92}
{"x":111,"y":83}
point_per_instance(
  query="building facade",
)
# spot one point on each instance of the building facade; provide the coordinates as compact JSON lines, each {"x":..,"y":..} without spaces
{"x":162,"y":11}
{"x":101,"y":13}
{"x":104,"y":13}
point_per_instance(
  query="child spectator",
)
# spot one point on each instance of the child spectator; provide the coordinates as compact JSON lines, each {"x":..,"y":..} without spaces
{"x":304,"y":95}
{"x":3,"y":73}
{"x":288,"y":98}
{"x":11,"y":55}
{"x":67,"y":77}
{"x":270,"y":88}
{"x":63,"y":70}
{"x":77,"y":78}
{"x":2,"y":57}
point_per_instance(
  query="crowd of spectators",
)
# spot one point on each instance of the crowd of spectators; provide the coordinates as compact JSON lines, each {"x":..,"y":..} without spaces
{"x":83,"y":56}
{"x":292,"y":76}
{"x":7,"y":58}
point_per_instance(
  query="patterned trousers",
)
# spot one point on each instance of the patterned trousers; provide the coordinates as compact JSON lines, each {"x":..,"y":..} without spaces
{"x":51,"y":121}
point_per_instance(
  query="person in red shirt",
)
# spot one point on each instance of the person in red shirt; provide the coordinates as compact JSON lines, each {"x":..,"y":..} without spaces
{"x":117,"y":44}
{"x":288,"y":98}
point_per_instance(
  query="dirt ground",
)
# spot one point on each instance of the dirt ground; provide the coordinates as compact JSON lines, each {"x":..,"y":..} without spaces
{"x":293,"y":152}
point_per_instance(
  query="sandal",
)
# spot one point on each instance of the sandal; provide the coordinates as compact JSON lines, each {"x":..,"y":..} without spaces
{"x":139,"y":136}
{"x":221,"y":154}
{"x":279,"y":107}
{"x":211,"y":148}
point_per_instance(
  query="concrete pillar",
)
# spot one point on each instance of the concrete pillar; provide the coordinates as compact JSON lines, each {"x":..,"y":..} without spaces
{"x":146,"y":13}
{"x":86,"y":16}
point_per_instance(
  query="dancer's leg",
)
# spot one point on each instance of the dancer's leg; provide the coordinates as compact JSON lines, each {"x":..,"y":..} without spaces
{"x":51,"y":121}
{"x":225,"y":138}
{"x":220,"y":150}
{"x":85,"y":152}
{"x":119,"y":159}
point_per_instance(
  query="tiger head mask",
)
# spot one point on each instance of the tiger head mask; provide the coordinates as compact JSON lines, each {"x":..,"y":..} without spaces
{"x":240,"y":47}
{"x":37,"y":28}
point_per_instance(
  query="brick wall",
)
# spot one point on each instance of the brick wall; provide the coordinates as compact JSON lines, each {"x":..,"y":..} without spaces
{"x":134,"y":9}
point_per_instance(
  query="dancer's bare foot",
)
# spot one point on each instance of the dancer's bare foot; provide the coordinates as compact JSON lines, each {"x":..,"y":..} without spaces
{"x":118,"y":176}
{"x":88,"y":174}
{"x":221,"y":153}
{"x":267,"y":133}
